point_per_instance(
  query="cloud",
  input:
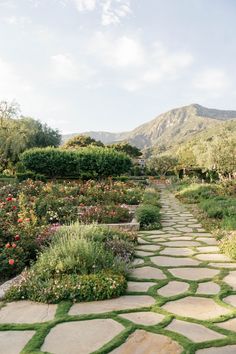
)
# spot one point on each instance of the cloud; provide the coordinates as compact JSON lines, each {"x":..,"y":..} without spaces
{"x":111,"y":11}
{"x":66,"y":68}
{"x":214,"y":80}
{"x":117,"y":52}
{"x":17,"y":20}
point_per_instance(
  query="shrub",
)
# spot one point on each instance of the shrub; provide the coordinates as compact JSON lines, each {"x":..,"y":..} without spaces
{"x":88,"y":162}
{"x":195,"y":192}
{"x":91,"y":287}
{"x":148,"y":216}
{"x":228,"y":243}
{"x":151,"y":196}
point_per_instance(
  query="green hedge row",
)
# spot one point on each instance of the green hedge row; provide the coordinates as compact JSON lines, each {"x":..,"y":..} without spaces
{"x":88,"y":162}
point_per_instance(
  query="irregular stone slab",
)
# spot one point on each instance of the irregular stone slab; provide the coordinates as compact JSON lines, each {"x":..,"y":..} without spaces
{"x":229,"y":349}
{"x":166,"y":261}
{"x":142,"y":342}
{"x":144,"y":318}
{"x":81,"y":337}
{"x":121,"y":303}
{"x":208,"y":249}
{"x":231,"y":300}
{"x":185,"y":229}
{"x":194,"y":273}
{"x":181,"y":243}
{"x":143,"y":253}
{"x":230,"y":279}
{"x":193,"y":331}
{"x":201,"y":234}
{"x":181,"y":238}
{"x":137,"y":261}
{"x":177,"y":251}
{"x":212,"y":257}
{"x":148,"y":273}
{"x":12,"y":342}
{"x":207,"y":240}
{"x":151,"y":248}
{"x":196,"y":307}
{"x":141,"y":241}
{"x":139,"y":286}
{"x":209,"y":288}
{"x":27,"y":312}
{"x":173,"y":288}
{"x":223,"y":265}
{"x":230,"y":325}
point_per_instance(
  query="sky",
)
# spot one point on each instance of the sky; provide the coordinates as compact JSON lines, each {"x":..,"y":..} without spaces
{"x":82,"y":65}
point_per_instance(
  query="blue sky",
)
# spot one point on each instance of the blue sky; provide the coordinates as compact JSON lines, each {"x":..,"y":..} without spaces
{"x":114,"y":64}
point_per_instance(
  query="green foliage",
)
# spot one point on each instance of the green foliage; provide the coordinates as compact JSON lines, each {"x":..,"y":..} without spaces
{"x":79,"y":141}
{"x":193,"y":193}
{"x":151,"y":197}
{"x":77,"y":265}
{"x":160,"y":165}
{"x":90,"y":162}
{"x":228,"y":244}
{"x":128,"y":149}
{"x":148,"y":216}
{"x":18,"y":135}
{"x":22,"y":176}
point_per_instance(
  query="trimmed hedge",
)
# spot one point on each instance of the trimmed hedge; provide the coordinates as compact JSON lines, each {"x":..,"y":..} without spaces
{"x":149,"y":216}
{"x":88,"y":162}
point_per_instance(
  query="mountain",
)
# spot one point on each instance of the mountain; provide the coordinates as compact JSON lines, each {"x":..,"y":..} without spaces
{"x":170,"y":128}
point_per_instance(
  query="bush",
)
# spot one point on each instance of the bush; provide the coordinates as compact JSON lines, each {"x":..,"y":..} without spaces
{"x":228,"y":243}
{"x":195,"y":192}
{"x":148,"y":216}
{"x":22,"y":176}
{"x":88,"y":162}
{"x":151,"y":197}
{"x":77,"y":265}
{"x":91,"y":287}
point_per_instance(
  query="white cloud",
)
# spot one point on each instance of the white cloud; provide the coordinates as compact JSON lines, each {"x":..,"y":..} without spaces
{"x":85,"y":5}
{"x":18,"y":20}
{"x":111,"y":11}
{"x":120,"y":52}
{"x":214,"y":80}
{"x":65,"y":67}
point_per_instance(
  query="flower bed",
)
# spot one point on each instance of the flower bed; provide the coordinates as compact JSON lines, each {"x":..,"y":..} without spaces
{"x":31,"y":212}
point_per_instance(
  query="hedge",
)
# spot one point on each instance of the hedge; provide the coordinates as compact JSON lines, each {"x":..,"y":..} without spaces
{"x":87,"y":162}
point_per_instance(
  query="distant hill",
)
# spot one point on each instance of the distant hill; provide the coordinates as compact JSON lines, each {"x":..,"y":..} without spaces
{"x":170,"y":128}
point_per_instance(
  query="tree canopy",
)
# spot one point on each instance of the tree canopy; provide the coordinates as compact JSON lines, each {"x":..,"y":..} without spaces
{"x":130,"y":150}
{"x":79,"y":141}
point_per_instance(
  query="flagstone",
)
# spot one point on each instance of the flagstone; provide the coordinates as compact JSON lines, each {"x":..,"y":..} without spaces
{"x":230,"y":279}
{"x":148,"y":273}
{"x":196,"y":307}
{"x":212,"y":257}
{"x":194,"y":273}
{"x":181,"y":243}
{"x":173,"y":288}
{"x":12,"y":342}
{"x":27,"y":312}
{"x":185,"y":229}
{"x":151,"y":248}
{"x":137,"y":261}
{"x":229,"y":349}
{"x":231,"y":300}
{"x":177,"y":251}
{"x":142,"y":342}
{"x":121,"y":303}
{"x":81,"y":336}
{"x":166,"y":261}
{"x":143,"y":253}
{"x":144,"y":318}
{"x":195,"y":332}
{"x":208,"y":288}
{"x":139,"y":286}
{"x":207,"y":240}
{"x":230,"y":325}
{"x":208,"y":249}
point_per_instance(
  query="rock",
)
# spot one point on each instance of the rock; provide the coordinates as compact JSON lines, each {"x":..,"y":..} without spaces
{"x":12,"y":342}
{"x":165,"y":261}
{"x":148,"y":273}
{"x":229,"y":349}
{"x":144,"y":318}
{"x":139,"y":286}
{"x":173,"y":288}
{"x":194,"y":273}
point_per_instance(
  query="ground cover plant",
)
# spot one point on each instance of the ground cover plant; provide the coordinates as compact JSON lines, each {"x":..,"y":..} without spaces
{"x":148,"y":212}
{"x":31,"y":212}
{"x":83,"y":263}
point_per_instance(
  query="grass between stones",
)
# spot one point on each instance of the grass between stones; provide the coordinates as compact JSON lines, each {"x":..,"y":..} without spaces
{"x":189,"y":347}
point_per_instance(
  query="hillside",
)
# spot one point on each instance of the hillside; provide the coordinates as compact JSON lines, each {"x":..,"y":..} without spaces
{"x":170,"y":128}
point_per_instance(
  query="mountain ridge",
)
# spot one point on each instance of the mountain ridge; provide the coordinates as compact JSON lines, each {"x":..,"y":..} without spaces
{"x":169,"y":128}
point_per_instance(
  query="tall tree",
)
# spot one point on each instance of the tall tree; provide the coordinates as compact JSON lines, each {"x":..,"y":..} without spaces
{"x":79,"y":141}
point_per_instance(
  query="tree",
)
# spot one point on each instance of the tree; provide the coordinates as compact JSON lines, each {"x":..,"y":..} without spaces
{"x":79,"y":141}
{"x":162,"y":164}
{"x":130,"y":150}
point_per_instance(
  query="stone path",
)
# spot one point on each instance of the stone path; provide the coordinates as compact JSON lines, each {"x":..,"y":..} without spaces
{"x":181,"y":298}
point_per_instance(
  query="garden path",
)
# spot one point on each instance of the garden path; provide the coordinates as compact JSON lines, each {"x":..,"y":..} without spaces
{"x":181,"y":298}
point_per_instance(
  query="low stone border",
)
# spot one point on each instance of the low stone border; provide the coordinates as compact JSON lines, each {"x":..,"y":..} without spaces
{"x":134,"y":225}
{"x":5,"y":286}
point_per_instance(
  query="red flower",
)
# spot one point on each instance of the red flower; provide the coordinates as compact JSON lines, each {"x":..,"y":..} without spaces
{"x":8,"y":245}
{"x":17,"y":237}
{"x":9,"y":199}
{"x":13,"y":245}
{"x":14,"y":207}
{"x":11,"y":261}
{"x":20,"y":220}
